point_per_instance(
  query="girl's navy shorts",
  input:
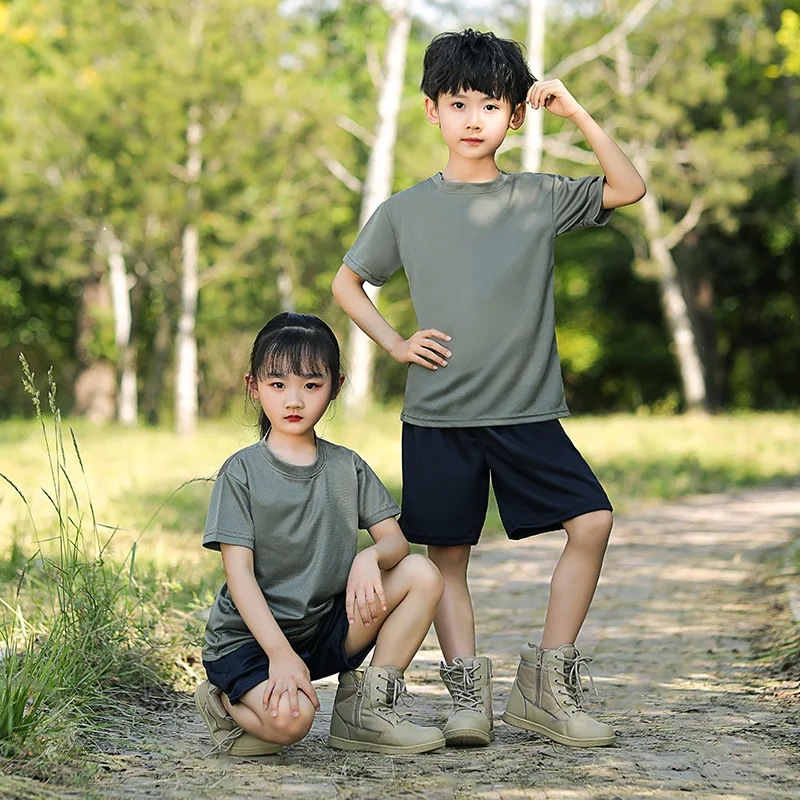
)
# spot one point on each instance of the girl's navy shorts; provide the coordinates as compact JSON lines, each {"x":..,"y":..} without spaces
{"x":539,"y":479}
{"x":239,"y":671}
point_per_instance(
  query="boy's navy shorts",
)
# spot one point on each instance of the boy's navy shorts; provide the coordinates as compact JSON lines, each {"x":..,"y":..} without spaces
{"x":238,"y":672}
{"x":539,"y":479}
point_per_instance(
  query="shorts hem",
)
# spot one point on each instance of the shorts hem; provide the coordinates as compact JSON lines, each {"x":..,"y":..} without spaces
{"x":521,"y":531}
{"x":436,"y":541}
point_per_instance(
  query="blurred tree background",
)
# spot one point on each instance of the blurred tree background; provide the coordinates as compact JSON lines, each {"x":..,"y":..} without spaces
{"x":174,"y":172}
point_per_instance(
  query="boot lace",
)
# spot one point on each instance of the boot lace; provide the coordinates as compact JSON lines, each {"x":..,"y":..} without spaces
{"x":461,"y":683}
{"x":224,"y":745}
{"x":396,"y":693}
{"x":572,"y":672}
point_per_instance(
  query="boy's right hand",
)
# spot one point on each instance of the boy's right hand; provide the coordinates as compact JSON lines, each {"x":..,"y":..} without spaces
{"x":423,"y":349}
{"x":288,"y":673}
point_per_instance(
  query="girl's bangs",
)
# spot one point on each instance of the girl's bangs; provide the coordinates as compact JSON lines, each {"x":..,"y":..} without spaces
{"x":293,"y":352}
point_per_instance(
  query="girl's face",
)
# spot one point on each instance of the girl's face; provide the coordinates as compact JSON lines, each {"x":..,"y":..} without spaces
{"x":293,"y":403}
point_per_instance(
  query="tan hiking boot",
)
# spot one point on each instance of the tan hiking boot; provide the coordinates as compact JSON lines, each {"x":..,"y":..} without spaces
{"x":365,"y":717}
{"x":469,"y":681}
{"x":227,"y":736}
{"x":547,"y":698}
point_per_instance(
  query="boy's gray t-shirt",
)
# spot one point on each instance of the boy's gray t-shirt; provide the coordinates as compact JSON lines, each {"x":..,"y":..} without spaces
{"x":479,"y":263}
{"x":301,"y":522}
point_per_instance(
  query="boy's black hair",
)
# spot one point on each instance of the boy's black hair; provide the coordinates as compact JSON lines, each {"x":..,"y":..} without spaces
{"x":295,"y":344}
{"x":482,"y":62}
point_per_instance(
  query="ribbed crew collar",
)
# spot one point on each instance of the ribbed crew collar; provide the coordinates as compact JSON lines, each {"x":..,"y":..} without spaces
{"x":294,"y":470}
{"x":457,"y":187}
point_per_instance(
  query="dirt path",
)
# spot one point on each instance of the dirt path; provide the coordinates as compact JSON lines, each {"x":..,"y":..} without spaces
{"x":670,"y":631}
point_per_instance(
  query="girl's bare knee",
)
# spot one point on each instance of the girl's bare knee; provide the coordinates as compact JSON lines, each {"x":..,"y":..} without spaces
{"x":286,"y":729}
{"x":423,"y":575}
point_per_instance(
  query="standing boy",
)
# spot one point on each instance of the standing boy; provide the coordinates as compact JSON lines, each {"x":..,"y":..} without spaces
{"x":484,"y":391}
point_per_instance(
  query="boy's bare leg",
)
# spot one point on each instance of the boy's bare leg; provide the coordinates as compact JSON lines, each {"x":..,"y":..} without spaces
{"x":575,"y":577}
{"x":455,"y":619}
{"x":250,"y":714}
{"x":412,"y":590}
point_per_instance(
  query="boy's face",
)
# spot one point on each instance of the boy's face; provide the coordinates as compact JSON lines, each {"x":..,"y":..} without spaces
{"x":473,"y":125}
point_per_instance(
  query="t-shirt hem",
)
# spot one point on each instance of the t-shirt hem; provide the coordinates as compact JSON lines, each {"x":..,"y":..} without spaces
{"x":484,"y":422}
{"x":362,"y":272}
{"x":380,"y":516}
{"x":212,"y":538}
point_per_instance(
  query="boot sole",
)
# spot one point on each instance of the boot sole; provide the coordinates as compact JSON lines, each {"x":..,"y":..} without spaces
{"x":468,"y":738}
{"x":370,"y":747}
{"x":525,"y":724}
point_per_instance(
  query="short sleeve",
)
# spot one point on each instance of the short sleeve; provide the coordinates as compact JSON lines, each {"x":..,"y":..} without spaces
{"x":375,"y":504}
{"x":374,"y":255}
{"x":229,"y":520}
{"x":578,"y":203}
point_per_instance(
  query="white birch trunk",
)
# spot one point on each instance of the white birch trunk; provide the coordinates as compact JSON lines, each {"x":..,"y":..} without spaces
{"x":377,"y":188}
{"x":676,"y":309}
{"x":185,"y":344}
{"x":127,"y":406}
{"x":533,"y":136}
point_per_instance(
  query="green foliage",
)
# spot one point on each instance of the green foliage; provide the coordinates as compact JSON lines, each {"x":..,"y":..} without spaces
{"x":93,"y":125}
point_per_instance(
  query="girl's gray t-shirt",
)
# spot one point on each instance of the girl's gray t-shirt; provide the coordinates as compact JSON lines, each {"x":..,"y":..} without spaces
{"x":302,"y":523}
{"x":479,"y":263}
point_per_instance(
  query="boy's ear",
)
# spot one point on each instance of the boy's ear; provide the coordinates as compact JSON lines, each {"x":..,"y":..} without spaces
{"x":517,"y":118}
{"x":431,"y":111}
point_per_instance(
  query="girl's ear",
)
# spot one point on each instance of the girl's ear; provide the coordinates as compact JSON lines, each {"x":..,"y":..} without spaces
{"x":252,"y":385}
{"x":517,"y":118}
{"x":339,"y":385}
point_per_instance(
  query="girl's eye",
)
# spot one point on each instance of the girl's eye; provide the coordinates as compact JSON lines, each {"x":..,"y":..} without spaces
{"x":312,"y":386}
{"x":277,"y":384}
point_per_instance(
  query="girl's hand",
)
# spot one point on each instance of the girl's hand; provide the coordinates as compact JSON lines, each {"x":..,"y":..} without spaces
{"x":288,"y":673}
{"x":422,"y":349}
{"x":553,"y":95}
{"x":364,"y":589}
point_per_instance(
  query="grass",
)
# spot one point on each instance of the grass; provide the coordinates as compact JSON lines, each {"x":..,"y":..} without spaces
{"x":76,"y":632}
{"x":122,"y":569}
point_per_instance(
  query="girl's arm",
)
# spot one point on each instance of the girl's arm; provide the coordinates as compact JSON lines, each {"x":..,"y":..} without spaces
{"x":421,"y":348}
{"x":287,"y":671}
{"x":364,"y":586}
{"x":623,"y":184}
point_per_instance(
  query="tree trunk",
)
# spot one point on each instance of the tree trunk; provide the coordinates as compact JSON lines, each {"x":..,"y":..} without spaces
{"x":123,"y":319}
{"x":377,"y":188}
{"x":95,"y":385}
{"x":534,"y":124}
{"x":673,"y":302}
{"x":159,"y":361}
{"x":185,"y":344}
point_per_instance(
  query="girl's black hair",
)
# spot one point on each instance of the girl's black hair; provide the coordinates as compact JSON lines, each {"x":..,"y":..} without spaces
{"x":298,"y":344}
{"x":481,"y":62}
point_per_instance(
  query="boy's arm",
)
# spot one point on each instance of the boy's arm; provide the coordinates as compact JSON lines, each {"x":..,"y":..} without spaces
{"x":623,"y":184}
{"x":287,"y":671}
{"x":421,"y":348}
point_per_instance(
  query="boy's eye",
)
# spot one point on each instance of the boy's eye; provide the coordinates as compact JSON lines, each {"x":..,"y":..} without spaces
{"x":458,"y":104}
{"x":492,"y":107}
